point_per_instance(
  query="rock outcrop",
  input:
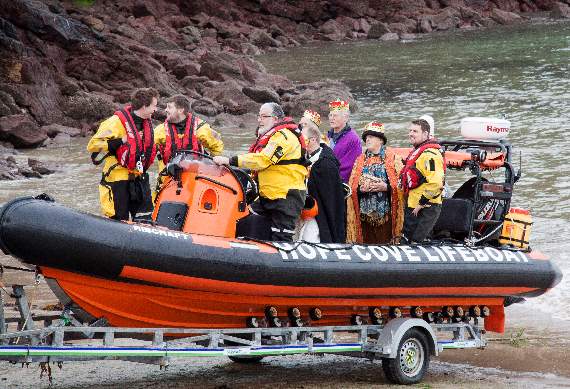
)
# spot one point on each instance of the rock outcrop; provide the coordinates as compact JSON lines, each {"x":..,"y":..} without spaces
{"x":71,"y":63}
{"x":21,"y":130}
{"x":12,"y":168}
{"x":560,"y":10}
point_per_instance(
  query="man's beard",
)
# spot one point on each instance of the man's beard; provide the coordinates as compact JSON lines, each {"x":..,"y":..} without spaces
{"x":261,"y":131}
{"x":176,"y":119}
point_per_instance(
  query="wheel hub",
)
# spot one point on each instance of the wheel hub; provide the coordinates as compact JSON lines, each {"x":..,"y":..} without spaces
{"x":411,"y":357}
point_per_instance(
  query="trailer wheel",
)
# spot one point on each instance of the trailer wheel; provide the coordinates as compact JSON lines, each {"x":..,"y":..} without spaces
{"x":248,"y":359}
{"x":412,"y":359}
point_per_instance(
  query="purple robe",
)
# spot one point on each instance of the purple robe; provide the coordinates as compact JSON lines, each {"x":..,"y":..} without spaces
{"x":346,"y":147}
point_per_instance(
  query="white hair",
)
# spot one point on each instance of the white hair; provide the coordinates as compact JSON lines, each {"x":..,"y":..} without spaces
{"x":276,"y":110}
{"x":313,"y":130}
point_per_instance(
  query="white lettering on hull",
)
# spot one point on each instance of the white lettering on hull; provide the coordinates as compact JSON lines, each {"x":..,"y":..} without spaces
{"x":429,"y":256}
{"x":341,"y":252}
{"x":159,"y":232}
{"x":398,"y":254}
{"x":379,"y":253}
{"x":495,"y":254}
{"x":410,"y":253}
{"x":466,"y":254}
{"x":441,"y":254}
{"x":395,"y":252}
{"x":480,"y":255}
{"x":522,"y":256}
{"x":383,"y":254}
{"x":307,"y":251}
{"x":285,"y":249}
{"x":450,"y":253}
{"x":359,"y":250}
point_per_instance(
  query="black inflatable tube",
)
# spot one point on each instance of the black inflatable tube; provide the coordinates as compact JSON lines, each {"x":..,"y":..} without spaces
{"x":48,"y":234}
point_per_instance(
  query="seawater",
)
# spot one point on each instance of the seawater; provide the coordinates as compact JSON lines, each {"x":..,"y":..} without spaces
{"x":520,"y":72}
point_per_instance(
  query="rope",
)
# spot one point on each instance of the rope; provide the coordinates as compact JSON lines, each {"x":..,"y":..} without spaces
{"x":300,"y":242}
{"x":268,"y":243}
{"x":475,"y":241}
{"x":45,"y":367}
{"x":431,"y":243}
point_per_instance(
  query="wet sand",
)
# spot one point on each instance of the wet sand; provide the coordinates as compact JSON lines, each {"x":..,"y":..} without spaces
{"x":538,"y":358}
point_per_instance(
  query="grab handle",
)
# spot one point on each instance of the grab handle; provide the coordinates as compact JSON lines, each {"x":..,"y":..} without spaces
{"x":217,"y":183}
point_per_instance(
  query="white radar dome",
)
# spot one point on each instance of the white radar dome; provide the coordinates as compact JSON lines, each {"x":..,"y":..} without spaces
{"x":482,"y":128}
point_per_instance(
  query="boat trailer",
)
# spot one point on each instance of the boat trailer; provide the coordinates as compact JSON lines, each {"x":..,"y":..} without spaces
{"x":404,"y":344}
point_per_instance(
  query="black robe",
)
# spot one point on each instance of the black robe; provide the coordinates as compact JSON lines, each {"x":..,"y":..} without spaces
{"x":325,"y":185}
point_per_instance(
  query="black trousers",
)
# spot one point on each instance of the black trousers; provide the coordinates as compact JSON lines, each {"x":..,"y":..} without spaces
{"x":283,"y":213}
{"x":417,"y":228}
{"x":132,"y":197}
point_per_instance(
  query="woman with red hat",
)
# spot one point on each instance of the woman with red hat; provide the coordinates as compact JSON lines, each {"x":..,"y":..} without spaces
{"x":373,"y":215}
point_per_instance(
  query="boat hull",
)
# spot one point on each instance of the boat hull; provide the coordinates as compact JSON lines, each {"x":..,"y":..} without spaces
{"x":128,"y":304}
{"x":139,"y":275}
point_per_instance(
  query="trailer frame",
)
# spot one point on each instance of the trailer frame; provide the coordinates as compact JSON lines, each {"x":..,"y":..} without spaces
{"x":404,"y":344}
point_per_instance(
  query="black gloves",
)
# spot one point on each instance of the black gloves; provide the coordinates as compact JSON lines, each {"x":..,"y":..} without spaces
{"x":113,"y":145}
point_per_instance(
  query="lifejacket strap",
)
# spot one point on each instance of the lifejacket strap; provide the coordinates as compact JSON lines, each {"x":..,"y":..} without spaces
{"x":199,"y":125}
{"x":96,"y":161}
{"x":423,"y":200}
{"x":107,"y":173}
{"x":297,"y":161}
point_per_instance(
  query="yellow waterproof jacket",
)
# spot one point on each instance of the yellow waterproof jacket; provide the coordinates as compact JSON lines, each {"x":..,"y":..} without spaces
{"x":111,"y":128}
{"x":276,"y":180}
{"x":208,"y":138}
{"x":430,"y":165}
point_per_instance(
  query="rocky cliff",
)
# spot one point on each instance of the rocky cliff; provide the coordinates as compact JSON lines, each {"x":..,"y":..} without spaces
{"x":70,"y":63}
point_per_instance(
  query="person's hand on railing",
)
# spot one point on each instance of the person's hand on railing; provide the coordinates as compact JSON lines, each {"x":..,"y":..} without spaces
{"x":220,"y":160}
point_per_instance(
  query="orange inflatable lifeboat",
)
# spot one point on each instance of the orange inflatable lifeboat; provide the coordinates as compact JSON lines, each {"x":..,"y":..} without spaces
{"x":203,"y":262}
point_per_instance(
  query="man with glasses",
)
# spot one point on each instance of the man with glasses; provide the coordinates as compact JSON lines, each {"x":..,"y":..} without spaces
{"x":343,"y":139}
{"x":324,"y":185}
{"x":278,"y":157}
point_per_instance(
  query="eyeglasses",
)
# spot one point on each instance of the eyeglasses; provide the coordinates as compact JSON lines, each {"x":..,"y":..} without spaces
{"x":264,"y":116}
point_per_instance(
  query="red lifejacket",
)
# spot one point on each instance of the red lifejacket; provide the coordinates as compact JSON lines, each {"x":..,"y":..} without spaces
{"x":173,"y":141}
{"x":139,"y":152}
{"x":289,"y":124}
{"x":410,"y":176}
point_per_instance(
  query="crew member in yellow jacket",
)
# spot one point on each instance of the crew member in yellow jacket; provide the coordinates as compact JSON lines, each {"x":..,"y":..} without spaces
{"x":126,"y":141}
{"x":183,"y":130}
{"x":279,"y":158}
{"x":422,"y":180}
